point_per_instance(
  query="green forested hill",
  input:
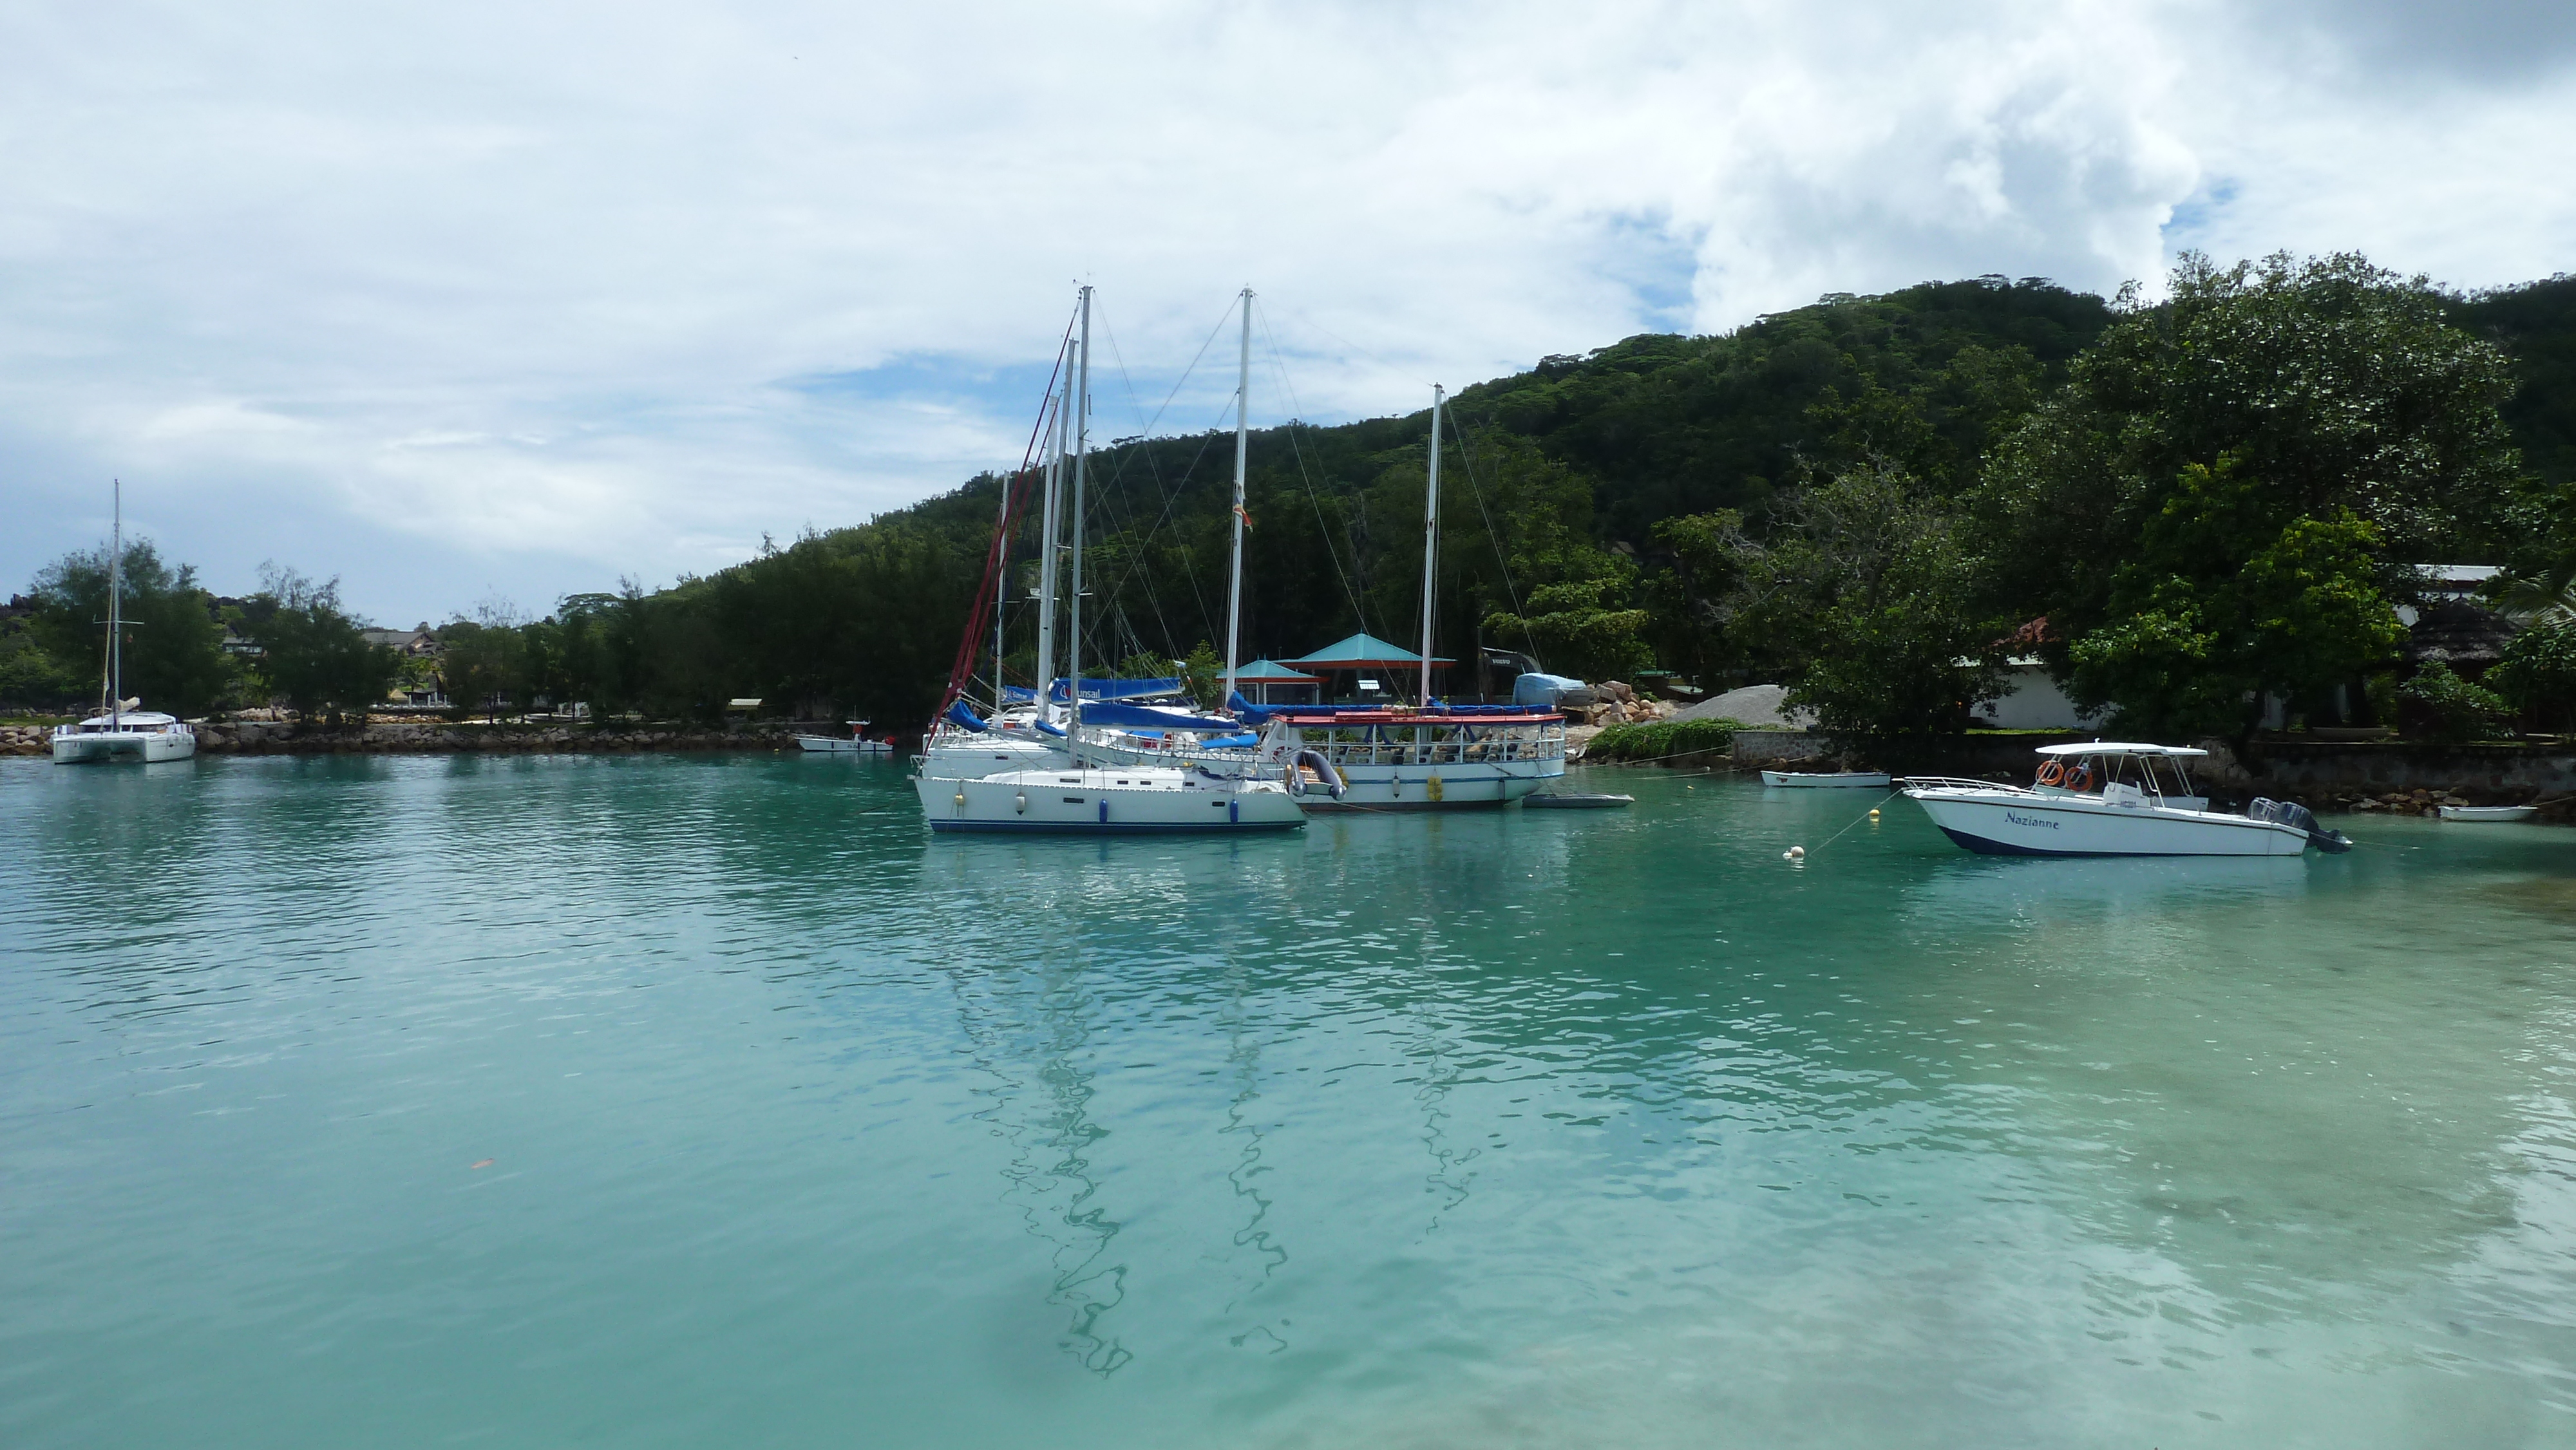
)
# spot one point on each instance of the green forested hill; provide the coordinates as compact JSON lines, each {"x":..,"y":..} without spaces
{"x":1556,"y":479}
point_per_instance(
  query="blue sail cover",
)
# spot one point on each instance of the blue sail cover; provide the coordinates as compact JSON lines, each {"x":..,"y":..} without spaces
{"x":1147,"y":717}
{"x":1116,"y":689}
{"x":964,"y":718}
{"x":1246,"y":711}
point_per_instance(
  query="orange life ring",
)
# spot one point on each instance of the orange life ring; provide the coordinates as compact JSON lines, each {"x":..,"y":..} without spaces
{"x":2080,"y":778}
{"x":2051,"y":772}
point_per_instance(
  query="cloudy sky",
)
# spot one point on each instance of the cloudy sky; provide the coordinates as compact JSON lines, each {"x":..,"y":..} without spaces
{"x":469,"y":302}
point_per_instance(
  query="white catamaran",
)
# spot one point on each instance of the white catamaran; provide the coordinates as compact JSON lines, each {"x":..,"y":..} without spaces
{"x":120,"y":731}
{"x":1068,"y":798}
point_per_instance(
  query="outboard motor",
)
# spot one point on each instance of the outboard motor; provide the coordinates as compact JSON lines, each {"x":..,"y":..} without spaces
{"x":2298,"y":818}
{"x":1322,"y":766}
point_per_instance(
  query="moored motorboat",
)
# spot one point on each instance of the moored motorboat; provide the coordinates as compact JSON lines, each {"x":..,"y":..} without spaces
{"x":2112,"y":799}
{"x":855,"y":743}
{"x":1826,"y":780}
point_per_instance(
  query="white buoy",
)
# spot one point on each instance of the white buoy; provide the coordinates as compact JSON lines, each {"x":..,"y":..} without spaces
{"x":1873,"y":813}
{"x":1795,"y":853}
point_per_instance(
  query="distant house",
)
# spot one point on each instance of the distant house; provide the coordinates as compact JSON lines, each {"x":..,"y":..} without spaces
{"x":2032,"y":701}
{"x":2451,"y":625}
{"x":418,"y":642}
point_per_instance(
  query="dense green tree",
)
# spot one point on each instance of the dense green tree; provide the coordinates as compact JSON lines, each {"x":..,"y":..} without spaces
{"x":174,"y":657}
{"x":312,"y":654}
{"x":2343,"y":388}
{"x":31,"y":679}
{"x":2538,"y":672}
{"x":2229,"y":594}
{"x":483,"y":666}
{"x":1865,"y":597}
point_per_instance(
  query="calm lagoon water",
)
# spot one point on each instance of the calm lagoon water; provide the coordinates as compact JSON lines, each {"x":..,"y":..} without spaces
{"x":1547,"y":1129}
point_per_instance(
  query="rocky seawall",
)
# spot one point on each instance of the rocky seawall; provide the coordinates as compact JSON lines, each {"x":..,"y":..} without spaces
{"x":414,"y":738}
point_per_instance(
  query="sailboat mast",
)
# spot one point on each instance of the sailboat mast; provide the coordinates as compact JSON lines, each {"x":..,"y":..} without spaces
{"x":1047,"y":548}
{"x":1002,"y":582}
{"x":1242,"y":448}
{"x":114,"y":681}
{"x":1081,"y":466}
{"x":1430,"y":543}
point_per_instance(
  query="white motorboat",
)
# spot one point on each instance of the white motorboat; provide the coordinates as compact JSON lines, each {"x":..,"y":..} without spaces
{"x":855,"y":743}
{"x":1826,"y":780}
{"x":121,"y":731}
{"x":124,"y":735}
{"x":1138,"y":802}
{"x":2112,"y":799}
{"x":2489,"y":813}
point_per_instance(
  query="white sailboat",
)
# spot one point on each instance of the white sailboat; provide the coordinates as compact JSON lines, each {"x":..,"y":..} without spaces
{"x":1428,"y":756}
{"x":1089,"y":799}
{"x":121,"y":731}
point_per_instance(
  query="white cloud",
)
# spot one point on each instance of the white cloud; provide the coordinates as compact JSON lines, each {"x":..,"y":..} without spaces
{"x":476,"y":298}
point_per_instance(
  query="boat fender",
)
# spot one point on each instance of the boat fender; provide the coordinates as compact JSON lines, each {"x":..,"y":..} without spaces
{"x":1020,"y":803}
{"x":1233,"y":812}
{"x":961,"y":800}
{"x":1431,"y":788}
{"x":1104,"y":810}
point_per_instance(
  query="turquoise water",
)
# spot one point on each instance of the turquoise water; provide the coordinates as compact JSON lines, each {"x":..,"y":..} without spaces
{"x":1492,"y":1130}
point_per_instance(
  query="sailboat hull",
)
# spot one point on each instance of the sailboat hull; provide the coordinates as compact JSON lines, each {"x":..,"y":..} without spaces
{"x":1104,"y":803}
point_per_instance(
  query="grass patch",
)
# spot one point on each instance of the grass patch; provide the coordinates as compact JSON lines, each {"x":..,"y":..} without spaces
{"x":1662,"y":738}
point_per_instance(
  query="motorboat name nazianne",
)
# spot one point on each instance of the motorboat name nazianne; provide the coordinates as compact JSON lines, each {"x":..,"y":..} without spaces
{"x":2113,"y":799}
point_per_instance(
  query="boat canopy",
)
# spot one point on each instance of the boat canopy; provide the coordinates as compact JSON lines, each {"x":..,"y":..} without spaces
{"x":1148,"y":718}
{"x":2117,"y":747}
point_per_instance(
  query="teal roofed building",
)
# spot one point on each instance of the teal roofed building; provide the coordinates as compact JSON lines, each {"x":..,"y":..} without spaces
{"x":1366,"y":667}
{"x":1268,"y":682}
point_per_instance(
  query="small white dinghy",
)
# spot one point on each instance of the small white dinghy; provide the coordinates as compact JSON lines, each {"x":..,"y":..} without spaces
{"x":2489,"y":813}
{"x":1827,"y":780}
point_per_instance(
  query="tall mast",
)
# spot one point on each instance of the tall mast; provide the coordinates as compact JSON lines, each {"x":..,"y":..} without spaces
{"x":1242,"y":445}
{"x":1081,"y":465}
{"x":1430,"y":544}
{"x":1002,"y":581}
{"x":114,"y":681}
{"x":1047,"y":549}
